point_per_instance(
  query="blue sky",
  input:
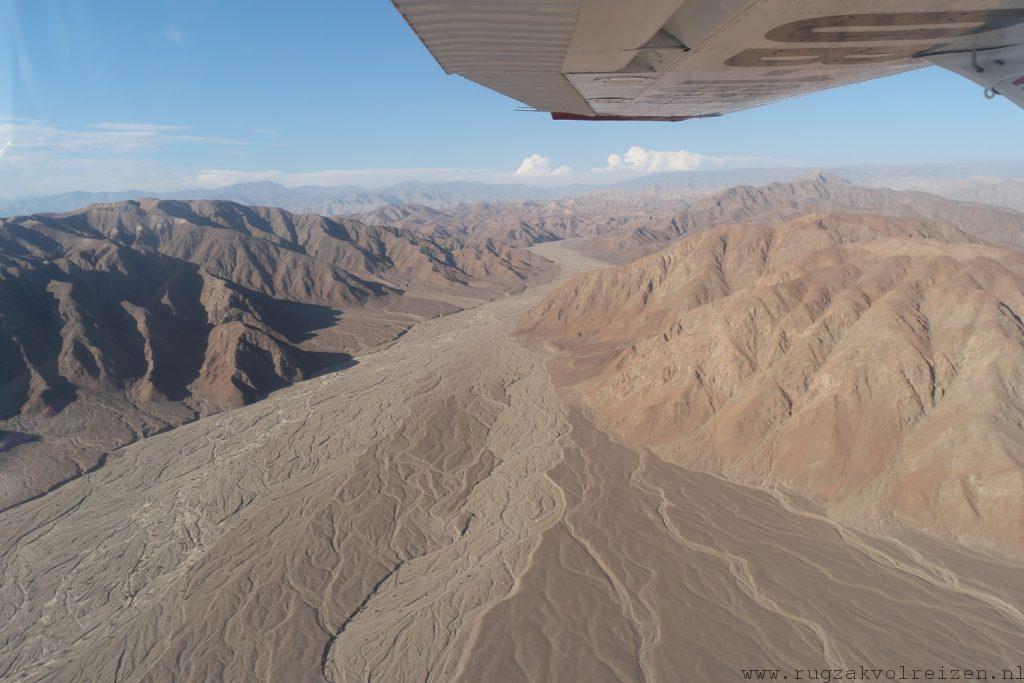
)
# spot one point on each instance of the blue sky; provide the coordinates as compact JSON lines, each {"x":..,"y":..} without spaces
{"x":196,"y":92}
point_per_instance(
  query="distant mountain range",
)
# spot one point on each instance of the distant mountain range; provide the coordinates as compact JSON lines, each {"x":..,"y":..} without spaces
{"x":328,"y":201}
{"x":775,"y":202}
{"x":999,"y":184}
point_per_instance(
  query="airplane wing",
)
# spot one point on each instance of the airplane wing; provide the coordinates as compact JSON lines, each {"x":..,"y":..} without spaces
{"x":679,"y":59}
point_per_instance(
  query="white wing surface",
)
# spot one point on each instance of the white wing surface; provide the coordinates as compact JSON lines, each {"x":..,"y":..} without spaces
{"x":678,"y":59}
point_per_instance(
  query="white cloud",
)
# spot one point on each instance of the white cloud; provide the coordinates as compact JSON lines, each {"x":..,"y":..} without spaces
{"x":640,"y":160}
{"x":43,"y":158}
{"x":354,"y":176}
{"x":536,"y":165}
{"x":44,"y":174}
{"x":114,"y":155}
{"x":136,"y":127}
{"x":174,"y":34}
{"x":4,"y":147}
{"x":33,"y":136}
{"x":219,"y":177}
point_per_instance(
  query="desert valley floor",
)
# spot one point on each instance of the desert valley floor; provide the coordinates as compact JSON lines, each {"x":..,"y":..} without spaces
{"x":441,"y":510}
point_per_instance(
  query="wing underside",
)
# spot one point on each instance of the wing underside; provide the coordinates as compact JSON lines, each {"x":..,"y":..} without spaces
{"x":678,"y":59}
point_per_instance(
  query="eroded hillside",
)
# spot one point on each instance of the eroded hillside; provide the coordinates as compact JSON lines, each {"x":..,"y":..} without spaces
{"x":869,"y":362}
{"x":120,"y":320}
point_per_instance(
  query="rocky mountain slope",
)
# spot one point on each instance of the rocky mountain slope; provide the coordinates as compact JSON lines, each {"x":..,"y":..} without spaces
{"x":817,"y":192}
{"x":872,"y":363}
{"x":119,"y":320}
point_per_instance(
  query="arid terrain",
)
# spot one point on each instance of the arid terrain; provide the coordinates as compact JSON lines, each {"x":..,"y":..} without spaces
{"x":121,"y":320}
{"x":871,"y":363}
{"x":440,"y":511}
{"x":787,"y":438}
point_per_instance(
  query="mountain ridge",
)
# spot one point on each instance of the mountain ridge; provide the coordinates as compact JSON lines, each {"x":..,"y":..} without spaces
{"x":123,"y":319}
{"x":813,"y":192}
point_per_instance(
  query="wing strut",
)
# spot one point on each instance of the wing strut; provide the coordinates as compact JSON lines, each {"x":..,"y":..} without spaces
{"x":1000,"y":71}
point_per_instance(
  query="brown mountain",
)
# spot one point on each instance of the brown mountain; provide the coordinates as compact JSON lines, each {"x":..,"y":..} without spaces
{"x":818,"y":192}
{"x":119,"y":320}
{"x":871,"y":363}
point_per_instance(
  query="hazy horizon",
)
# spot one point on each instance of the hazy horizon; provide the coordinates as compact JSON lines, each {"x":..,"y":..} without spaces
{"x":960,"y":170}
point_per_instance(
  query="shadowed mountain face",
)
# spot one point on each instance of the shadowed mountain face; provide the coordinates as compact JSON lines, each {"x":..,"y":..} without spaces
{"x":123,"y":319}
{"x":872,"y":363}
{"x":776,"y":202}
